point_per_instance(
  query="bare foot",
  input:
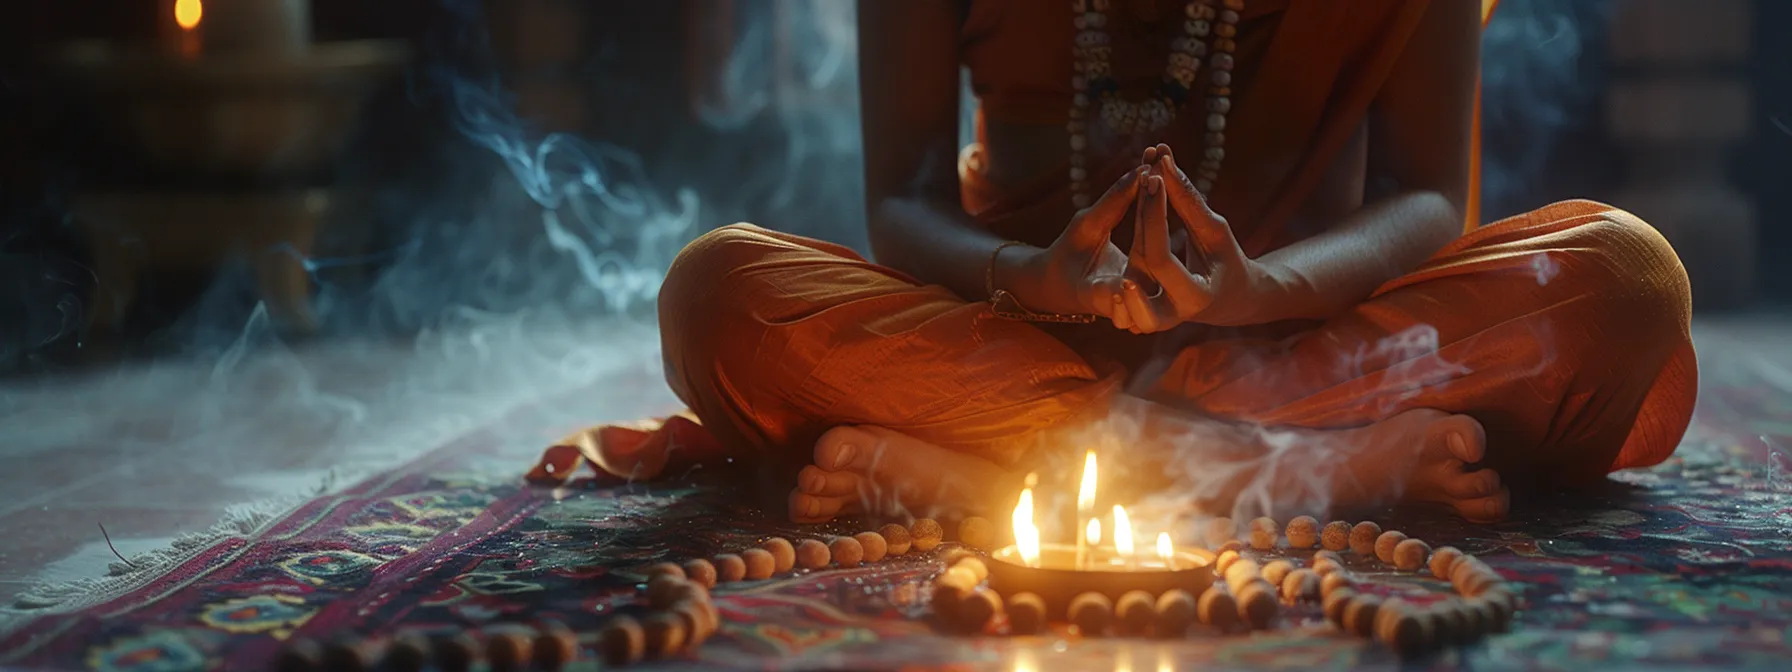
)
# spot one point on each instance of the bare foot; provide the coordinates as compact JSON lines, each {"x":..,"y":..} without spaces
{"x":875,"y":470}
{"x":1423,"y":455}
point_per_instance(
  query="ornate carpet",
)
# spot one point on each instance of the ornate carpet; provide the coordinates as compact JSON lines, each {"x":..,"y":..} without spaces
{"x":1686,"y":564}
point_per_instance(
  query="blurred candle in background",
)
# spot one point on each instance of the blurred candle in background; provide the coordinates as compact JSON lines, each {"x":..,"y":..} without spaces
{"x":195,"y":27}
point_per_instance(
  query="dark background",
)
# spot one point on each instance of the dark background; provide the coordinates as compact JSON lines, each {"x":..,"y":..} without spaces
{"x":742,"y":107}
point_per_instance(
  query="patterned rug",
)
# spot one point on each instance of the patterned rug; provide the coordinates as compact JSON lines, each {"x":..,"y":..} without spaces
{"x":1687,"y":564}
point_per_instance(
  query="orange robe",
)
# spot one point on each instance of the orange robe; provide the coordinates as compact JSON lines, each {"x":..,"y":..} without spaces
{"x":1563,"y":330}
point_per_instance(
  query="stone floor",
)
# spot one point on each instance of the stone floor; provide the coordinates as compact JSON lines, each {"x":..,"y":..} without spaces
{"x":154,"y":451}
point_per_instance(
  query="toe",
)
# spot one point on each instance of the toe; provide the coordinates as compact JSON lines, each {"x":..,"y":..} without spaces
{"x":844,"y":448}
{"x":823,"y":483}
{"x":807,"y":508}
{"x":1473,"y":484}
{"x":1490,"y":509}
{"x":1462,"y":436}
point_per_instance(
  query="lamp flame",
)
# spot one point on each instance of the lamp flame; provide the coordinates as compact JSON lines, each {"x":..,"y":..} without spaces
{"x":188,"y":13}
{"x":1093,"y":533}
{"x":1165,"y":550}
{"x":1085,"y":496}
{"x":1026,"y":535}
{"x":1122,"y":532}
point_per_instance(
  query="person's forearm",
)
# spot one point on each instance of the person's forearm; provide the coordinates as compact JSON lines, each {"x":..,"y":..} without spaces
{"x":1325,"y":275}
{"x":939,"y":244}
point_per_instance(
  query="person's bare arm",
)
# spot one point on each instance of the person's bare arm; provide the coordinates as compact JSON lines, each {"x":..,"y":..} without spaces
{"x":1419,"y":147}
{"x":908,"y":93}
{"x":909,"y":106}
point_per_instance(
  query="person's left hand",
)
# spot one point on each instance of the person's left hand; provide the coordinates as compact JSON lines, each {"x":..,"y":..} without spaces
{"x":1214,"y":284}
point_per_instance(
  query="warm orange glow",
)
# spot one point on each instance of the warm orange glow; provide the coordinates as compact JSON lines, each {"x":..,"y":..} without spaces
{"x":1085,"y":496}
{"x":1026,"y":535}
{"x":188,"y":13}
{"x":1093,"y":534}
{"x":1122,"y":532}
{"x":1164,"y":549}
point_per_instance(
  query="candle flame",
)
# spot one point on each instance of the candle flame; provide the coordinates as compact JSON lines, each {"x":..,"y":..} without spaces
{"x":1122,"y":532}
{"x":1164,"y":549}
{"x":1085,"y":496}
{"x":1093,"y":534}
{"x":188,"y":13}
{"x":1026,"y":535}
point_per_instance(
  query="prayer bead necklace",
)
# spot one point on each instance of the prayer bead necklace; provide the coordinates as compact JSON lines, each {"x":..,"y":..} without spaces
{"x":1208,"y":32}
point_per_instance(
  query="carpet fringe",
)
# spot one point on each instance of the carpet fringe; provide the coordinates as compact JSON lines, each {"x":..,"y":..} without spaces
{"x":239,"y":521}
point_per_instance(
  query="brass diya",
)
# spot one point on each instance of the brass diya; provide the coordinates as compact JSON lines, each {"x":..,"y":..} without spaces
{"x":1057,"y":580}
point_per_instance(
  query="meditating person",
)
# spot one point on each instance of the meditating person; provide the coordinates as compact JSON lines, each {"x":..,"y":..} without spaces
{"x":1234,"y":231}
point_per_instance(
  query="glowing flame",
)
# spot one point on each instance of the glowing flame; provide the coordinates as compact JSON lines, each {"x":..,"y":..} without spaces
{"x":1026,"y":536}
{"x":1164,"y":549}
{"x":1085,"y":496}
{"x":1093,"y":534}
{"x":1122,"y":532}
{"x":187,"y":13}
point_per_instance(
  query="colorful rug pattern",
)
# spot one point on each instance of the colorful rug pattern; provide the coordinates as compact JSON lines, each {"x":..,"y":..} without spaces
{"x":1687,"y":564}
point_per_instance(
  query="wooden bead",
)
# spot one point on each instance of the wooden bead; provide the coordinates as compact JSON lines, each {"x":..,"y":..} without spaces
{"x":1026,"y":614}
{"x":729,"y":568}
{"x":1362,"y":538}
{"x":1328,"y":555}
{"x":1264,"y":532}
{"x":946,"y":598}
{"x":976,"y":567}
{"x":1241,"y":572}
{"x":700,"y":620}
{"x":1360,"y":613}
{"x":1217,"y":608}
{"x":1334,"y":604}
{"x":455,"y":652}
{"x":875,"y":546}
{"x":783,"y":554}
{"x":1277,"y":570}
{"x":977,"y":609}
{"x":896,"y":538}
{"x":1233,"y":545}
{"x":622,"y":641}
{"x":664,"y":634}
{"x":1135,"y":611}
{"x":1462,"y":568}
{"x":1443,"y":558}
{"x":1303,"y":532}
{"x":509,"y":649}
{"x":1453,"y":623}
{"x":1301,"y":585}
{"x":1335,"y":582}
{"x":812,"y":554}
{"x":1335,"y":536}
{"x":665,"y":568}
{"x":925,"y":534}
{"x":1325,"y":567}
{"x":1480,"y":615}
{"x":555,"y":646}
{"x":407,"y":653}
{"x":954,"y":554}
{"x":1257,"y":604}
{"x":1175,"y":612}
{"x":701,"y":572}
{"x":664,"y":589}
{"x":1410,"y":554}
{"x":1220,"y":531}
{"x":759,"y":564}
{"x":1384,"y":545}
{"x":1409,"y":634}
{"x":847,"y":551}
{"x":977,"y":532}
{"x":299,"y":655}
{"x":1091,"y":613}
{"x":962,"y":577}
{"x":1223,"y":561}
{"x":1499,"y":611}
{"x":1476,"y":583}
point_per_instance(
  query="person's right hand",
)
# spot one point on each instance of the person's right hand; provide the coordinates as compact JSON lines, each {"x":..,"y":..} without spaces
{"x":1082,"y":271}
